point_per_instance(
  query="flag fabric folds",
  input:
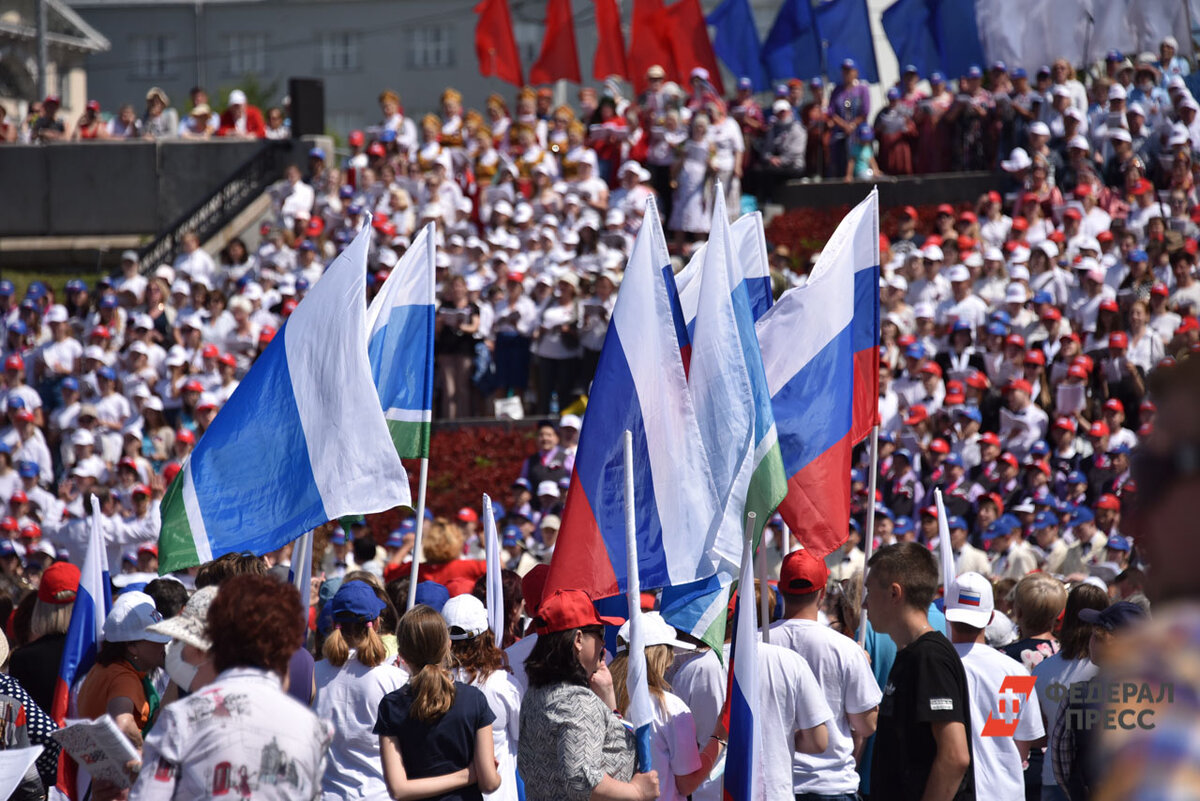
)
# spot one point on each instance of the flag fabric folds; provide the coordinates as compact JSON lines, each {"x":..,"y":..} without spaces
{"x":793,"y":46}
{"x":749,"y":244}
{"x":809,"y":341}
{"x":609,"y":58}
{"x":744,"y":753}
{"x":945,"y":549}
{"x":493,"y":587}
{"x":729,"y":389}
{"x":690,"y":45}
{"x":559,"y":57}
{"x":937,"y":34}
{"x":649,"y":43}
{"x":909,"y":28}
{"x":400,"y":345}
{"x":92,"y":604}
{"x":736,"y":42}
{"x":495,"y":44}
{"x":640,"y":386}
{"x":302,"y":440}
{"x":301,"y":571}
{"x":846,"y":26}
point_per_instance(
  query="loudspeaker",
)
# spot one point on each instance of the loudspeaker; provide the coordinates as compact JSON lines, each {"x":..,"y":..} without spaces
{"x":308,"y":106}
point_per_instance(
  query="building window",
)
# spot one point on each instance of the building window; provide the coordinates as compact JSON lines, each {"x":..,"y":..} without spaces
{"x":339,"y":51}
{"x":430,"y":47}
{"x":152,"y":55}
{"x":247,"y":53}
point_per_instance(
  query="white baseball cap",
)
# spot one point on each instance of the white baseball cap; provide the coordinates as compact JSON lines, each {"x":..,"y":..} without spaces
{"x":57,"y":314}
{"x":969,"y":600}
{"x":548,"y":488}
{"x":132,"y":615}
{"x":657,"y":631}
{"x":466,"y":617}
{"x":237,"y":98}
{"x":570,"y":421}
{"x":1015,"y":294}
{"x":933,"y":253}
{"x":958,"y":272}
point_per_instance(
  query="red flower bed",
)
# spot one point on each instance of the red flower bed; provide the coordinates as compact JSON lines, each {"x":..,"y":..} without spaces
{"x":464,"y":463}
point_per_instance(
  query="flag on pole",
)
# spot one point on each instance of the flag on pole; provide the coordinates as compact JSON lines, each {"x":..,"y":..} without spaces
{"x":736,"y":42}
{"x":809,"y":345}
{"x":92,"y":604}
{"x":699,"y":608}
{"x":690,"y":45}
{"x":495,"y":43}
{"x":640,"y":386}
{"x":945,"y":549}
{"x":729,"y":390}
{"x":749,"y":244}
{"x":559,"y":57}
{"x":302,"y":570}
{"x":649,"y":42}
{"x":744,"y":753}
{"x":641,"y":709}
{"x":400,"y":345}
{"x":793,"y":45}
{"x":494,"y":587}
{"x":846,"y":30}
{"x":302,"y":440}
{"x":610,"y":42}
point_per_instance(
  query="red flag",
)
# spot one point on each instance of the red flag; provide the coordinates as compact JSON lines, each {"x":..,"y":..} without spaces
{"x":649,"y":42}
{"x":690,"y":45}
{"x":559,"y":59}
{"x":610,"y":43}
{"x":495,"y":45}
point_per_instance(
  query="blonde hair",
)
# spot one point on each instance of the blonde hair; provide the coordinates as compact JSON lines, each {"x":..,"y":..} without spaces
{"x":361,"y":635}
{"x":658,"y":660}
{"x":443,"y":542}
{"x":49,"y":619}
{"x":424,"y":644}
{"x":1038,"y":600}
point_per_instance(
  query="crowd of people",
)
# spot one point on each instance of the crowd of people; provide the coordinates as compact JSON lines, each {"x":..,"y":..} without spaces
{"x":1031,"y":352}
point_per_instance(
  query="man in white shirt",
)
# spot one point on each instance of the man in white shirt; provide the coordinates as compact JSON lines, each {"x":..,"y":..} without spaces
{"x":193,"y":261}
{"x":1024,"y":423}
{"x":999,"y":750}
{"x":842,"y":670}
{"x":131,"y":280}
{"x":293,"y":198}
{"x":963,"y":305}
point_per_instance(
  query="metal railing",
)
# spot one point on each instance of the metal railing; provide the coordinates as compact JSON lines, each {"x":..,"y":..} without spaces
{"x":216,"y":211}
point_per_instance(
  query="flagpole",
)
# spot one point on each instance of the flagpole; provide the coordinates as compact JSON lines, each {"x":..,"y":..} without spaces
{"x":418,"y":533}
{"x":869,"y":534}
{"x":633,"y":596}
{"x":764,"y":605}
{"x":302,"y":561}
{"x":790,"y":544}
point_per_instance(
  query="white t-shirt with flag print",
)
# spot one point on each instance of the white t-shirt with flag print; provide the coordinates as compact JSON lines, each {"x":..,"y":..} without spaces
{"x":999,"y":773}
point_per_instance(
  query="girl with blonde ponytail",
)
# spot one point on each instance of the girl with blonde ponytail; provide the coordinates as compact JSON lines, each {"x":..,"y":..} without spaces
{"x":435,"y":734}
{"x":352,"y":679}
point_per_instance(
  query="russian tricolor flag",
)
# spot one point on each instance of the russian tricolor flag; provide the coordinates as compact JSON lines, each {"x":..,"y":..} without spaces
{"x":640,"y":386}
{"x":744,"y":754}
{"x":820,"y":348}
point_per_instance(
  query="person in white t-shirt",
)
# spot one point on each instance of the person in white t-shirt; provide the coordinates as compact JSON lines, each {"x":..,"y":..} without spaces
{"x":843,"y":672}
{"x":998,"y":758}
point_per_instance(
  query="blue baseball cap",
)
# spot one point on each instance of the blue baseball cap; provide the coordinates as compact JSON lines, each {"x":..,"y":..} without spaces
{"x":7,"y":289}
{"x":36,"y":290}
{"x":407,"y":526}
{"x":301,"y":284}
{"x":915,"y":351}
{"x":107,"y":373}
{"x":109,"y":301}
{"x":8,"y":548}
{"x":745,"y":83}
{"x":27,"y":469}
{"x":993,"y":530}
{"x":893,"y":94}
{"x":848,"y":64}
{"x":1045,"y":519}
{"x":17,"y":327}
{"x":1118,"y":616}
{"x":432,"y":594}
{"x":1113,"y":55}
{"x":1043,"y":297}
{"x":816,"y":82}
{"x":902,"y":453}
{"x":1001,"y":316}
{"x":317,"y":153}
{"x":511,"y":536}
{"x":16,"y":402}
{"x":997,"y":329}
{"x":1118,"y":542}
{"x":903,"y":525}
{"x":880,"y":509}
{"x":346,"y":192}
{"x":971,"y":413}
{"x":105,"y":281}
{"x":1119,"y":450}
{"x":781,"y":90}
{"x":1039,"y":448}
{"x":1076,"y":477}
{"x":1081,"y":514}
{"x":956,"y":522}
{"x":1010,"y":521}
{"x":886,"y":436}
{"x":356,"y":600}
{"x":936,"y":77}
{"x":856,"y":475}
{"x":1020,"y":72}
{"x":999,"y":64}
{"x":338,"y":537}
{"x":395,"y":539}
{"x":70,"y":383}
{"x":307,"y":245}
{"x":1139,"y":255}
{"x":387,"y":136}
{"x":76,"y":285}
{"x":974,"y":71}
{"x":354,"y":209}
{"x":960,"y":325}
{"x":911,"y":69}
{"x":953,"y":460}
{"x":866,"y":133}
{"x":5,"y":447}
{"x":854,"y":524}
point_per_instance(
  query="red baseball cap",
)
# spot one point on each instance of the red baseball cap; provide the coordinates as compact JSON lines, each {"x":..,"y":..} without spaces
{"x":1104,"y":237}
{"x":315,"y":227}
{"x":802,"y":573}
{"x":1114,"y":405}
{"x":376,"y":149}
{"x":1042,"y":465}
{"x":933,"y":368}
{"x":185,"y":435}
{"x":1160,"y":289}
{"x":968,"y":216}
{"x":1052,"y":314}
{"x":101,"y":331}
{"x":1015,"y":340}
{"x":954,"y":399}
{"x":990,"y":438}
{"x":994,"y":197}
{"x":127,"y":462}
{"x":1009,"y":459}
{"x":909,"y":211}
{"x":1098,"y":429}
{"x":467,"y":515}
{"x":228,"y":359}
{"x":24,"y":415}
{"x":210,"y":351}
{"x":977,"y":380}
{"x":59,"y":584}
{"x":18,"y":497}
{"x":569,"y":609}
{"x":945,"y":208}
{"x":1083,"y":190}
{"x":1077,"y":371}
{"x":266,"y":335}
{"x":939,"y":445}
{"x":149,"y":547}
{"x":1118,"y":341}
{"x":1022,"y":385}
{"x":1035,"y":356}
{"x":1109,"y":304}
{"x":288,"y":307}
{"x":1065,"y":423}
{"x":1073,"y":213}
{"x":193,"y":386}
{"x":995,"y":498}
{"x":1108,"y":501}
{"x":966,"y":243}
{"x":9,"y":523}
{"x":1188,"y":324}
{"x":14,"y":362}
{"x":31,"y":532}
{"x":1084,"y":361}
{"x":917,"y":414}
{"x":141,"y":489}
{"x":355,"y":138}
{"x":1148,"y":406}
{"x":1020,"y":224}
{"x":170,"y":471}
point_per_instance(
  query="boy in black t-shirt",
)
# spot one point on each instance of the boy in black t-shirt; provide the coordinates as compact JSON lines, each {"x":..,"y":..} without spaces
{"x":923,"y":740}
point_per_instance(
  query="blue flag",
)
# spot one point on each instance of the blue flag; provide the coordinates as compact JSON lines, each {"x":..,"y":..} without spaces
{"x":736,"y":42}
{"x":846,"y":31}
{"x":793,"y":46}
{"x":934,"y":35}
{"x":909,"y":29}
{"x":957,"y":34}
